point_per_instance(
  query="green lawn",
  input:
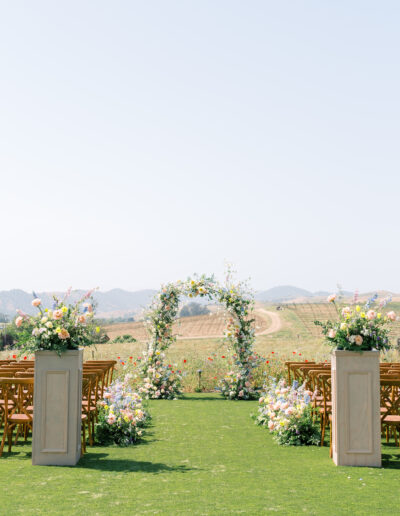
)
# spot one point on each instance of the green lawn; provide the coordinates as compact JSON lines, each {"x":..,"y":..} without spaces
{"x":203,"y":455}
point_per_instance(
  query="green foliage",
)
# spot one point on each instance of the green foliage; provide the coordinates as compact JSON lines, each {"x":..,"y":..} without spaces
{"x":124,"y":338}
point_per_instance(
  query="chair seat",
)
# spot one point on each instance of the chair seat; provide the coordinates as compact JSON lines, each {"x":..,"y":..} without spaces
{"x":391,"y":420}
{"x":20,"y":418}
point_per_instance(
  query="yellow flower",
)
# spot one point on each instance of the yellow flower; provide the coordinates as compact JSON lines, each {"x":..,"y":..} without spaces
{"x":64,"y":309}
{"x":126,"y":419}
{"x":379,"y":315}
{"x":385,"y":318}
{"x":343,"y":326}
{"x":358,"y":308}
{"x":362,"y":315}
{"x":97,"y":329}
{"x":58,"y":329}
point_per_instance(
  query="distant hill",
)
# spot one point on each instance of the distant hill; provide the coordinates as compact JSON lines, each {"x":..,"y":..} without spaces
{"x":290,"y":293}
{"x":282,"y":293}
{"x":113,"y":302}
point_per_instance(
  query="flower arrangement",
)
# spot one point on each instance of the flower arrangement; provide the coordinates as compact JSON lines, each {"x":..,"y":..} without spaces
{"x":58,"y":329}
{"x":158,"y":382}
{"x":287,"y":413}
{"x":122,"y":417}
{"x":359,"y":328}
{"x":161,"y":381}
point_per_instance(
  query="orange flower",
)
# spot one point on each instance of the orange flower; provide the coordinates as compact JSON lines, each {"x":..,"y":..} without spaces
{"x":63,"y":334}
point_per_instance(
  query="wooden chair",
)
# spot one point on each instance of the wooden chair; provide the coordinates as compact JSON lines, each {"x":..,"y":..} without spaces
{"x":390,"y":407}
{"x":89,"y":402}
{"x":17,"y":394}
{"x":85,"y":417}
{"x":325,"y":410}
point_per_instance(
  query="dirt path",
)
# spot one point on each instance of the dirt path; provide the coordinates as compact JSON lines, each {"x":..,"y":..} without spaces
{"x":276,"y":322}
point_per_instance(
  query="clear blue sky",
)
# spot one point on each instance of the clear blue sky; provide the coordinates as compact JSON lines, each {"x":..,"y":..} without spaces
{"x":143,"y":141}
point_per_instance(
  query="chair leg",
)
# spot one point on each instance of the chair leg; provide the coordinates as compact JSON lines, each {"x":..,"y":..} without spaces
{"x":10,"y":434}
{"x":83,"y":448}
{"x":90,"y":417}
{"x":4,"y":439}
{"x":16,"y":437}
{"x":323,"y":423}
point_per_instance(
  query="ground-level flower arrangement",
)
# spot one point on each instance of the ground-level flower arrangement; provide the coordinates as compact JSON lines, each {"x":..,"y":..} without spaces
{"x":122,"y":416}
{"x":287,"y":413}
{"x":161,"y":380}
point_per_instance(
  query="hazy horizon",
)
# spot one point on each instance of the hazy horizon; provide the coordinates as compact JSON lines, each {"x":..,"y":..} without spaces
{"x":142,"y":142}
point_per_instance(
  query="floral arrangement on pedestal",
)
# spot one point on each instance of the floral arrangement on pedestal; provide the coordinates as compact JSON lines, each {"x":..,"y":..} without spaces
{"x":64,"y":327}
{"x":122,"y":417}
{"x":161,"y":382}
{"x":359,"y":328}
{"x":287,"y":413}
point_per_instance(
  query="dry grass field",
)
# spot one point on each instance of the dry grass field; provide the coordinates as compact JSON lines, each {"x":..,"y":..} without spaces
{"x":200,"y":326}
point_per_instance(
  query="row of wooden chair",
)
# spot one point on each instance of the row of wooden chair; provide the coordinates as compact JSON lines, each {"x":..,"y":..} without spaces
{"x":16,"y":397}
{"x":317,"y":378}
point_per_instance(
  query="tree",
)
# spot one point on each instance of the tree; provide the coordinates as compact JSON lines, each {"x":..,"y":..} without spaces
{"x":192,"y":309}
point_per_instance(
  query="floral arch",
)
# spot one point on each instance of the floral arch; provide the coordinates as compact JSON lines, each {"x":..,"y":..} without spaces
{"x":158,"y":380}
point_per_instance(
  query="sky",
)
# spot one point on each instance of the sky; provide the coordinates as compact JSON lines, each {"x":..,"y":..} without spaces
{"x":141,"y":142}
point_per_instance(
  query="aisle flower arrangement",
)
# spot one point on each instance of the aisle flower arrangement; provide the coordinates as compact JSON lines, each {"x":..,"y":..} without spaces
{"x":157,"y":381}
{"x":359,"y":328}
{"x":161,"y":382}
{"x":64,"y":327}
{"x":287,"y":413}
{"x":122,"y":417}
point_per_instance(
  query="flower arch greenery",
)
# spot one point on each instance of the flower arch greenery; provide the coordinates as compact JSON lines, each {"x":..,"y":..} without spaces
{"x":159,"y":381}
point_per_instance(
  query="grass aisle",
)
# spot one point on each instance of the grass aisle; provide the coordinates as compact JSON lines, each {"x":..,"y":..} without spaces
{"x":204,"y":456}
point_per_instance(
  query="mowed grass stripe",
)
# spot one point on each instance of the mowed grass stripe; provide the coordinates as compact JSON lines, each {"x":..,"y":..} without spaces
{"x":203,"y":456}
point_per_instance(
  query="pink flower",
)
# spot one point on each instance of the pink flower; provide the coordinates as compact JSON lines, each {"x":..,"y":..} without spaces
{"x":82,"y":319}
{"x":331,"y":298}
{"x":18,"y":321}
{"x":57,"y":314}
{"x":241,"y":394}
{"x":271,"y":425}
{"x":391,"y":316}
{"x":111,"y":419}
{"x":346,"y":310}
{"x":36,"y":302}
{"x":332,"y":334}
{"x":358,"y":340}
{"x":371,"y":314}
